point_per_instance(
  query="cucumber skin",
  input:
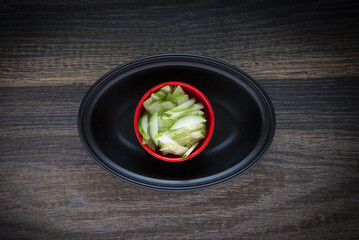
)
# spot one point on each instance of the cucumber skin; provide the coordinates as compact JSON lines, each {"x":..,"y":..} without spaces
{"x":167,"y":105}
{"x":181,"y":98}
{"x":176,"y":92}
{"x":169,"y":145}
{"x":190,"y":150}
{"x":187,"y":120}
{"x":143,"y":132}
{"x":155,"y":107}
{"x":159,"y":95}
{"x":155,"y":97}
{"x":148,"y":102}
{"x":140,"y":129}
{"x":152,"y":126}
{"x":166,"y":89}
{"x":184,"y":105}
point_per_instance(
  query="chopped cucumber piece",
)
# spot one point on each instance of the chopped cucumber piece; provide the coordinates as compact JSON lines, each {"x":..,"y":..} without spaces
{"x":155,"y":97}
{"x":167,"y":122}
{"x":178,"y":90}
{"x":190,"y":110}
{"x":181,"y":132}
{"x":184,"y":105}
{"x":143,"y":127}
{"x":187,"y":120}
{"x":170,"y":146}
{"x":190,"y":150}
{"x":188,"y":134}
{"x":166,"y":89}
{"x":182,"y":113}
{"x":187,"y":139}
{"x":162,"y":94}
{"x":177,"y":135}
{"x":161,"y":126}
{"x":197,"y":134}
{"x":181,"y":98}
{"x":196,"y":126}
{"x":167,"y":105}
{"x":168,"y":117}
{"x":196,"y":106}
{"x":153,"y":127}
{"x":155,"y":107}
{"x":148,"y":102}
{"x":158,"y":95}
{"x":198,"y":112}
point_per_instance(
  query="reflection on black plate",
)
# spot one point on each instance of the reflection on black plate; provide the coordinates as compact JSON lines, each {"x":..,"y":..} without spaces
{"x":244,"y":122}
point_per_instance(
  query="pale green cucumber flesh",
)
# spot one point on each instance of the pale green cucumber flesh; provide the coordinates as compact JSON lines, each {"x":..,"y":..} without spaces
{"x":153,"y":127}
{"x":166,"y":89}
{"x":161,"y":126}
{"x":161,"y":94}
{"x":190,"y":150}
{"x":143,"y":127}
{"x":147,"y":102}
{"x":155,"y":107}
{"x":184,"y":105}
{"x":155,"y":97}
{"x":190,"y":110}
{"x":187,"y":120}
{"x":170,"y":146}
{"x":181,"y":98}
{"x":178,"y":90}
{"x":167,"y":105}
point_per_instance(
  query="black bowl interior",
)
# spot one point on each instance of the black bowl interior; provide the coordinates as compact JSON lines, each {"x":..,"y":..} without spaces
{"x":242,"y":125}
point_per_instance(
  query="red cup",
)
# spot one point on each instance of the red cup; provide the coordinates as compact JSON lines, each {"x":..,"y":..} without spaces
{"x":192,"y":92}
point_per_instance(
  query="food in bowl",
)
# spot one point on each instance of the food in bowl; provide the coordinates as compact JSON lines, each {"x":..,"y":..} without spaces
{"x":172,"y":121}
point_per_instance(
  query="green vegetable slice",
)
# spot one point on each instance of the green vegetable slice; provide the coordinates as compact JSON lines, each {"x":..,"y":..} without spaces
{"x":158,"y":95}
{"x":187,"y":139}
{"x":148,"y":102}
{"x":181,"y":132}
{"x":166,"y":89}
{"x":153,"y":127}
{"x":187,"y":120}
{"x":190,"y":150}
{"x":181,"y":98}
{"x":155,"y":107}
{"x":170,"y":146}
{"x":143,"y":128}
{"x":178,"y":90}
{"x":167,"y":105}
{"x":184,"y":105}
{"x":190,"y":110}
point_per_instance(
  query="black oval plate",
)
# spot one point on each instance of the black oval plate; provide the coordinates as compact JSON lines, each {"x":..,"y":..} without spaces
{"x":244,"y":122}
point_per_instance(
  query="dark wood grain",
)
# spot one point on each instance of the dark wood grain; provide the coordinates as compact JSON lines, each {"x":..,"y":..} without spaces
{"x":305,"y":55}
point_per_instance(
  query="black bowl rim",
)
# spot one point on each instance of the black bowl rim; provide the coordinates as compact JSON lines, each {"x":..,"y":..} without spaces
{"x":177,"y":57}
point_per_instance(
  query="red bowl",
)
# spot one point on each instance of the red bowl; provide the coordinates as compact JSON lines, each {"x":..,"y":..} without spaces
{"x":192,"y":92}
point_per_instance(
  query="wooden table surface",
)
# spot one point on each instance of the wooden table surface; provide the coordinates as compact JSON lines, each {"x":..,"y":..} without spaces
{"x":306,"y":57}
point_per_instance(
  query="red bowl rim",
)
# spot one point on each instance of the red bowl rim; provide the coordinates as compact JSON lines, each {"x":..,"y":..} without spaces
{"x":207,"y":106}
